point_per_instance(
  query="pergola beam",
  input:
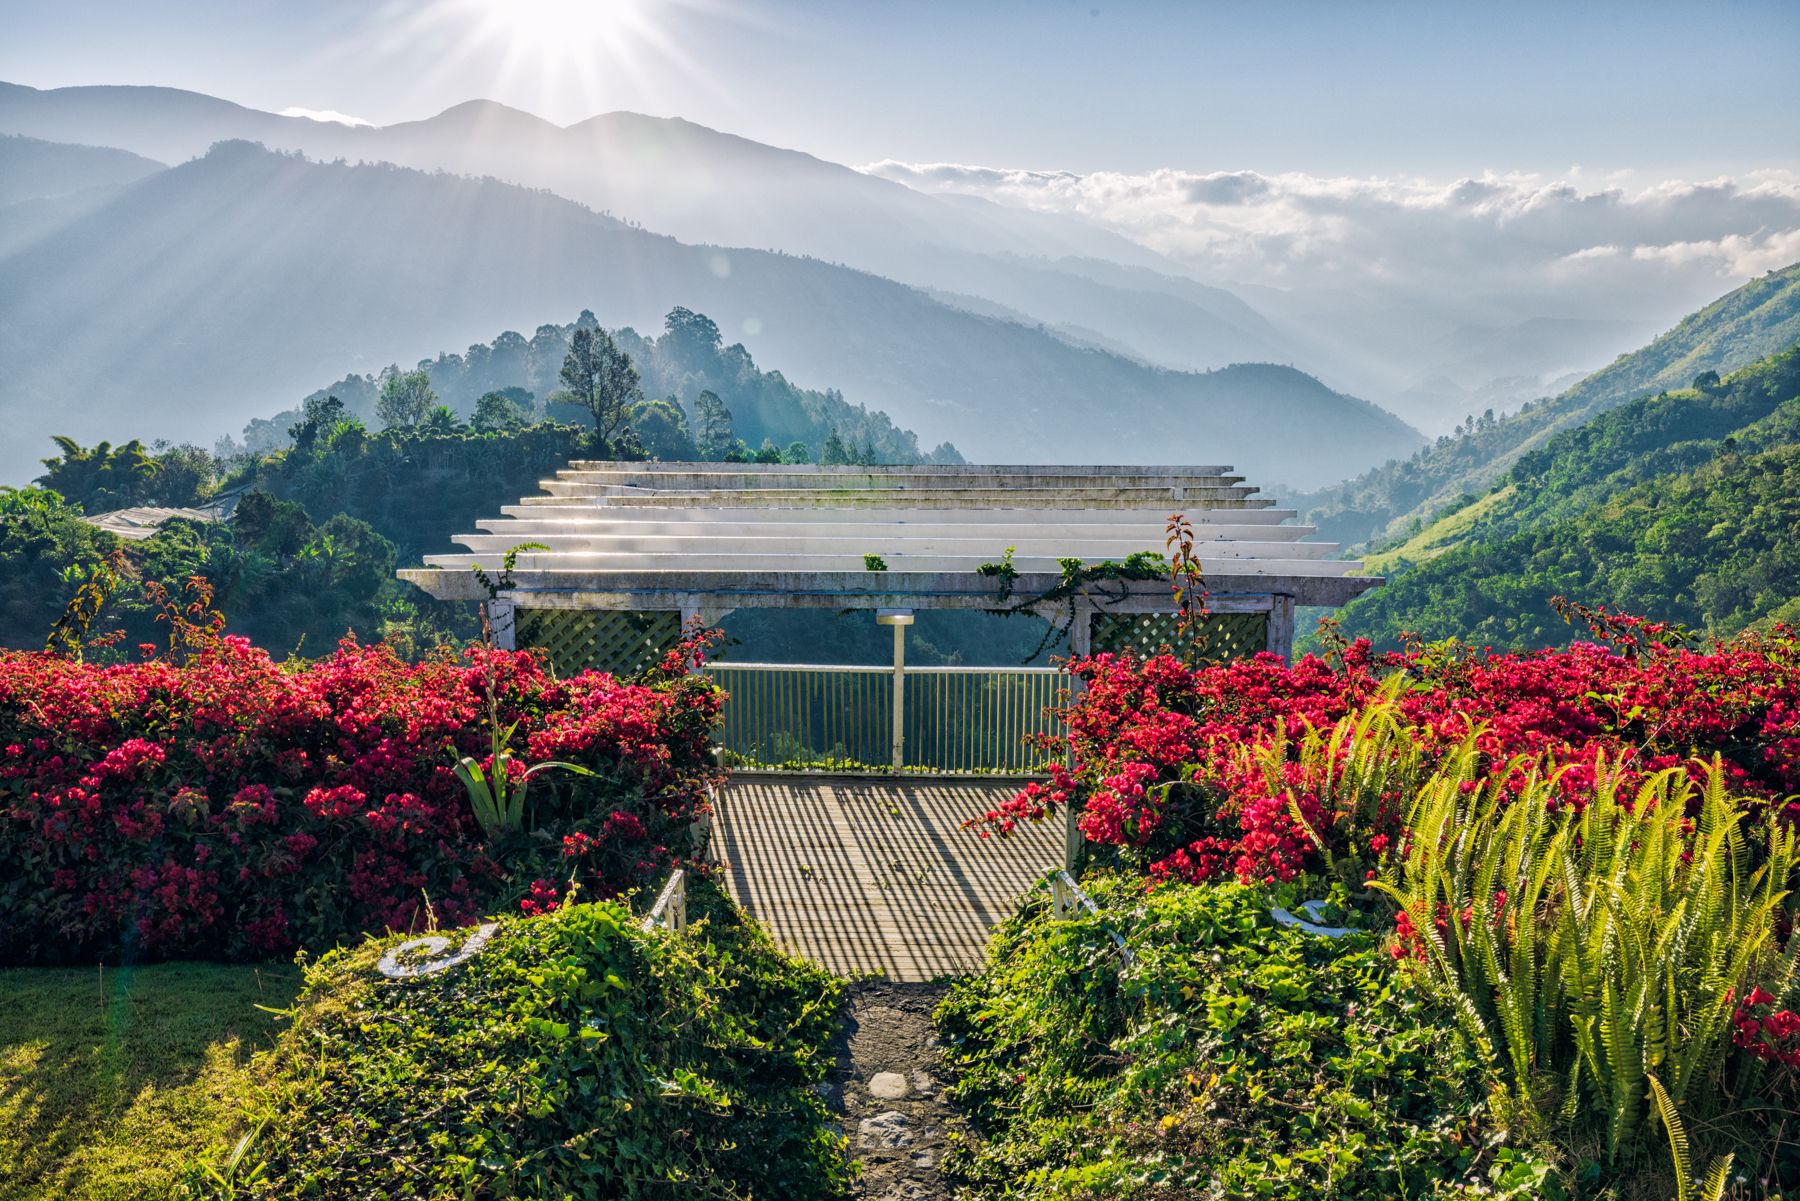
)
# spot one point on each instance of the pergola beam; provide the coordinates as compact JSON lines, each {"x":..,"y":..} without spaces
{"x":667,"y":590}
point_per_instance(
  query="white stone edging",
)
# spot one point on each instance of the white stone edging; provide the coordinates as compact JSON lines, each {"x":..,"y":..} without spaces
{"x":434,"y":944}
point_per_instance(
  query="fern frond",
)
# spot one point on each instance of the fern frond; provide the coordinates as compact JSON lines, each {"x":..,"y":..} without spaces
{"x":1678,"y":1141}
{"x":1717,"y":1177}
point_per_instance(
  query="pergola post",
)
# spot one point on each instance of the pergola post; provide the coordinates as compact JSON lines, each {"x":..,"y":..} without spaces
{"x":502,"y":622}
{"x":1281,"y":626}
{"x":1081,"y":634}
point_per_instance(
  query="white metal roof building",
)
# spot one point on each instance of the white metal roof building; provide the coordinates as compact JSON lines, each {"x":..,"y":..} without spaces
{"x":686,"y":540}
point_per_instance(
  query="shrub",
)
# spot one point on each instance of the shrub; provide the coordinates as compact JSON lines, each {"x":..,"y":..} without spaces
{"x":1231,"y":1058}
{"x":574,"y":1056}
{"x":1171,"y":764}
{"x":230,"y":805}
{"x":1592,"y":852}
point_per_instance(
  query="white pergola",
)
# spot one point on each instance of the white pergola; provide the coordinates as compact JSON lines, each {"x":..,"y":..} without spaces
{"x":703,"y":539}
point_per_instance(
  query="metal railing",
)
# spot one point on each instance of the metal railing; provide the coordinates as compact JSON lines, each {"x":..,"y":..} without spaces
{"x":1068,"y":901}
{"x":670,"y":910}
{"x":800,"y":714}
{"x":952,"y":719}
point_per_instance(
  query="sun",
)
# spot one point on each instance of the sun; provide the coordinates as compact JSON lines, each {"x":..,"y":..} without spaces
{"x":578,"y":57}
{"x":552,"y":32}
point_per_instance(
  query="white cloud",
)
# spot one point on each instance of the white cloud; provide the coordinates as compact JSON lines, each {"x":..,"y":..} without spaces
{"x":1526,"y":243}
{"x":325,"y":115}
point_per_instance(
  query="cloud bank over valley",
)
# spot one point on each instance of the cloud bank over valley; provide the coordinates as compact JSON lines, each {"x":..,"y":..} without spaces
{"x":1495,"y":248}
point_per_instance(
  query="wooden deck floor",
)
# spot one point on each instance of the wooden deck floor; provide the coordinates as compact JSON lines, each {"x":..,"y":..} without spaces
{"x":861,"y":874}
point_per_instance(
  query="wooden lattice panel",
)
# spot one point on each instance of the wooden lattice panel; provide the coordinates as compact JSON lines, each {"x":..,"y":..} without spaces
{"x":1228,"y":635}
{"x":577,"y":640}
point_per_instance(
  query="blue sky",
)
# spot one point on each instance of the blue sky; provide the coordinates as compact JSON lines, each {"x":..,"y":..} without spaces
{"x":1431,"y":89}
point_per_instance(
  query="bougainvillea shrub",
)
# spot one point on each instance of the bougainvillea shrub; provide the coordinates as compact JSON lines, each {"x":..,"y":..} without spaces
{"x":1171,"y":765}
{"x":230,"y":805}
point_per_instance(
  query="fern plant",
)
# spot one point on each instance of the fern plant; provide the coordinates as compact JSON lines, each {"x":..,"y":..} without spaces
{"x":1598,"y":947}
{"x":1361,"y":770}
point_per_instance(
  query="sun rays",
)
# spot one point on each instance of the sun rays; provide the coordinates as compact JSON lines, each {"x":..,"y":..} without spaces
{"x":572,"y":58}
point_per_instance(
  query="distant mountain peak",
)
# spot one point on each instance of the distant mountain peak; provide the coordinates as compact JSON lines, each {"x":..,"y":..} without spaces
{"x":479,"y":114}
{"x":328,"y":265}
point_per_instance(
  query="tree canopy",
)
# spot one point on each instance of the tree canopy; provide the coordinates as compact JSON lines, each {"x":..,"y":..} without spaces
{"x":601,"y":379}
{"x":406,"y":398}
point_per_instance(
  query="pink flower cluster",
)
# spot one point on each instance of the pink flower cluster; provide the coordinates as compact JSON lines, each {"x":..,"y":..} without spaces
{"x":232,"y":804}
{"x":1162,"y":758}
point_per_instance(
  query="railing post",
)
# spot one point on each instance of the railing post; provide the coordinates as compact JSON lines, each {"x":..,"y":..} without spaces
{"x":899,"y":696}
{"x":899,"y":619}
{"x":1081,"y":644}
{"x":670,"y":910}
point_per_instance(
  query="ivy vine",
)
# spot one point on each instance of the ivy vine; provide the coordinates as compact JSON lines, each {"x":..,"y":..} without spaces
{"x":1079,"y":580}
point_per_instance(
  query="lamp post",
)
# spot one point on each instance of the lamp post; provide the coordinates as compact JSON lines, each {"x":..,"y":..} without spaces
{"x":899,"y":619}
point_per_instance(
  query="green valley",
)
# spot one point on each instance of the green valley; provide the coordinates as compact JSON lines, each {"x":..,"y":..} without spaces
{"x":1395,"y":500}
{"x":1681,"y":505}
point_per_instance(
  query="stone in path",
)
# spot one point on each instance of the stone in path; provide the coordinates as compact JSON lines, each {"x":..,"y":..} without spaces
{"x":908,"y":1190}
{"x":889,"y":1086}
{"x":884,"y":1131}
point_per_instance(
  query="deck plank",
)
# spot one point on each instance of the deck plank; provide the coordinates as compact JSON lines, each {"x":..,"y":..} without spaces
{"x":864,"y":874}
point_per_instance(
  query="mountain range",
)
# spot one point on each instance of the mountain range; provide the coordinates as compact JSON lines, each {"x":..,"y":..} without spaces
{"x":703,"y":186}
{"x":186,"y":301}
{"x":1681,"y":505}
{"x":1428,"y":363}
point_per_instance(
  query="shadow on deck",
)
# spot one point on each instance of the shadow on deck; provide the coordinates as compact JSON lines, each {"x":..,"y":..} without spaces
{"x":866,"y":874}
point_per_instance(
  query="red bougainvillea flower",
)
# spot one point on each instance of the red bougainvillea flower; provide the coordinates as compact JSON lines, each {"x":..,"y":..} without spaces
{"x":1162,"y":758}
{"x":233,"y":805}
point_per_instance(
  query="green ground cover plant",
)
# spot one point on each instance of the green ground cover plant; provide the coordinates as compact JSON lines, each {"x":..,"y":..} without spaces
{"x":575,"y":1056}
{"x":1231,"y":1057}
{"x":112,"y":1079}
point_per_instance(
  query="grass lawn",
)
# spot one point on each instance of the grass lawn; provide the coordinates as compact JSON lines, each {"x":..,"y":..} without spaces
{"x":110,"y":1080}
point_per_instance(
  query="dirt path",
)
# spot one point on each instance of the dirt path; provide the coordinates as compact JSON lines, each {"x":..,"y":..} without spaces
{"x":889,"y":1088}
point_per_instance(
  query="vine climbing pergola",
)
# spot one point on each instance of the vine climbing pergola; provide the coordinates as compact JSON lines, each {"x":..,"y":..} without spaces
{"x":626,"y":554}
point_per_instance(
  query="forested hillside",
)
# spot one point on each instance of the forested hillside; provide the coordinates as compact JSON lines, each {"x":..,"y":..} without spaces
{"x":1682,"y":506}
{"x":688,"y":359}
{"x":332,"y":497}
{"x":1756,"y":320}
{"x":44,"y":185}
